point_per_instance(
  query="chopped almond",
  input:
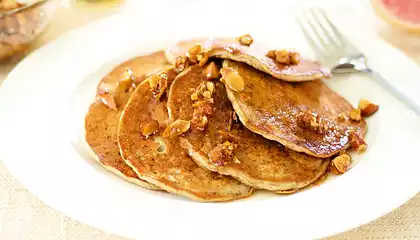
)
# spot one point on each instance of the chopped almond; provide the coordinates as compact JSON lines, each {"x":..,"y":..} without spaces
{"x":287,"y":57}
{"x":357,"y":142}
{"x":367,"y":108}
{"x":341,"y":163}
{"x":210,"y":87}
{"x":158,"y":85}
{"x":211,"y":72}
{"x":356,"y":114}
{"x":150,"y":128}
{"x":177,"y":128}
{"x":181,"y":63}
{"x":193,"y":53}
{"x":232,"y":79}
{"x":202,"y":59}
{"x":108,"y":100}
{"x":223,"y":153}
{"x":245,"y":40}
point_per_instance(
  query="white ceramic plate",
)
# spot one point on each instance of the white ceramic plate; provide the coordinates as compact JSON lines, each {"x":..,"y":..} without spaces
{"x":43,"y":102}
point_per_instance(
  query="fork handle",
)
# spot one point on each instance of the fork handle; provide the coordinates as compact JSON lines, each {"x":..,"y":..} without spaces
{"x":410,"y":102}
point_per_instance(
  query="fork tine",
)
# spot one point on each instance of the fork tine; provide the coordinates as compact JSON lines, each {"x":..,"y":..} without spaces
{"x":317,"y":34}
{"x":331,"y":38}
{"x":333,"y":28}
{"x":336,"y":32}
{"x":317,"y":50}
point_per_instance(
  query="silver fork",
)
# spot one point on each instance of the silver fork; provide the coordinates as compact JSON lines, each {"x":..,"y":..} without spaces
{"x":341,"y":56}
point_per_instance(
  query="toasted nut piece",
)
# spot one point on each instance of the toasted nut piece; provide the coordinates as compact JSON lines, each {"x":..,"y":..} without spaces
{"x":126,"y":80}
{"x":210,"y":87}
{"x":356,"y":141}
{"x":314,"y":122}
{"x":222,"y":153}
{"x":342,"y":117}
{"x":355,"y":114}
{"x":271,"y":54}
{"x":177,"y":128}
{"x":150,"y":128}
{"x":232,"y":79}
{"x":181,"y":63}
{"x":193,"y":53}
{"x":341,"y":163}
{"x":198,"y":92}
{"x":211,"y":72}
{"x":282,"y":56}
{"x":245,"y":40}
{"x":196,"y":49}
{"x":202,"y":59}
{"x":200,"y":123}
{"x":294,"y":57}
{"x":362,"y":148}
{"x":207,"y":94}
{"x":127,"y":75}
{"x":158,"y":85}
{"x":286,"y":57}
{"x":367,"y":108}
{"x":108,"y":100}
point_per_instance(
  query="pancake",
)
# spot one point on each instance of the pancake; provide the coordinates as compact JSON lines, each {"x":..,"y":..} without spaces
{"x":302,"y":116}
{"x":160,"y":160}
{"x":255,"y":161}
{"x":101,"y":121}
{"x":253,"y":55}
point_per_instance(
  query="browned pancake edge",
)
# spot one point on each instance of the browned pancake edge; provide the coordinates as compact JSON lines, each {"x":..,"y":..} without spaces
{"x":101,"y":122}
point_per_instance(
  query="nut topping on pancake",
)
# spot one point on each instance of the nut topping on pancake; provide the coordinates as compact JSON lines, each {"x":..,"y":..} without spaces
{"x":211,"y":72}
{"x":204,"y":91}
{"x":150,"y":128}
{"x":203,"y":104}
{"x":126,"y":81}
{"x":362,"y":148}
{"x":223,"y":153}
{"x":357,"y":142}
{"x":231,"y":79}
{"x":177,"y":128}
{"x":367,"y":108}
{"x":340,"y":164}
{"x":181,"y":63}
{"x":197,"y":55}
{"x":108,"y":100}
{"x":245,"y":40}
{"x":158,"y":85}
{"x":202,"y":59}
{"x":356,"y":114}
{"x":286,"y":57}
{"x":193,"y":53}
{"x":210,"y":87}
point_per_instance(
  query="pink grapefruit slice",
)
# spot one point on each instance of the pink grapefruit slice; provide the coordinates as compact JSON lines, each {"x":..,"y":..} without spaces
{"x":403,"y":14}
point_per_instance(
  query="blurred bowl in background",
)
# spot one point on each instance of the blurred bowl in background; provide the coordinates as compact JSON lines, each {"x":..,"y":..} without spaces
{"x":21,"y":25}
{"x":399,"y":22}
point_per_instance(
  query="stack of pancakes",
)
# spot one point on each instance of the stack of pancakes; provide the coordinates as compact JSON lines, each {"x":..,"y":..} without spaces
{"x":197,"y":136}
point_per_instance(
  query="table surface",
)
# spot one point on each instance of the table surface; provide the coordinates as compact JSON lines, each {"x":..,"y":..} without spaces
{"x":23,"y":216}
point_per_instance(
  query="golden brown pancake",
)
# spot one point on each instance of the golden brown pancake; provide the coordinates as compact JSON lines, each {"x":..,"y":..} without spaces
{"x":283,"y":112}
{"x":101,"y":122}
{"x":257,"y":162}
{"x":255,"y":56}
{"x":160,"y":160}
